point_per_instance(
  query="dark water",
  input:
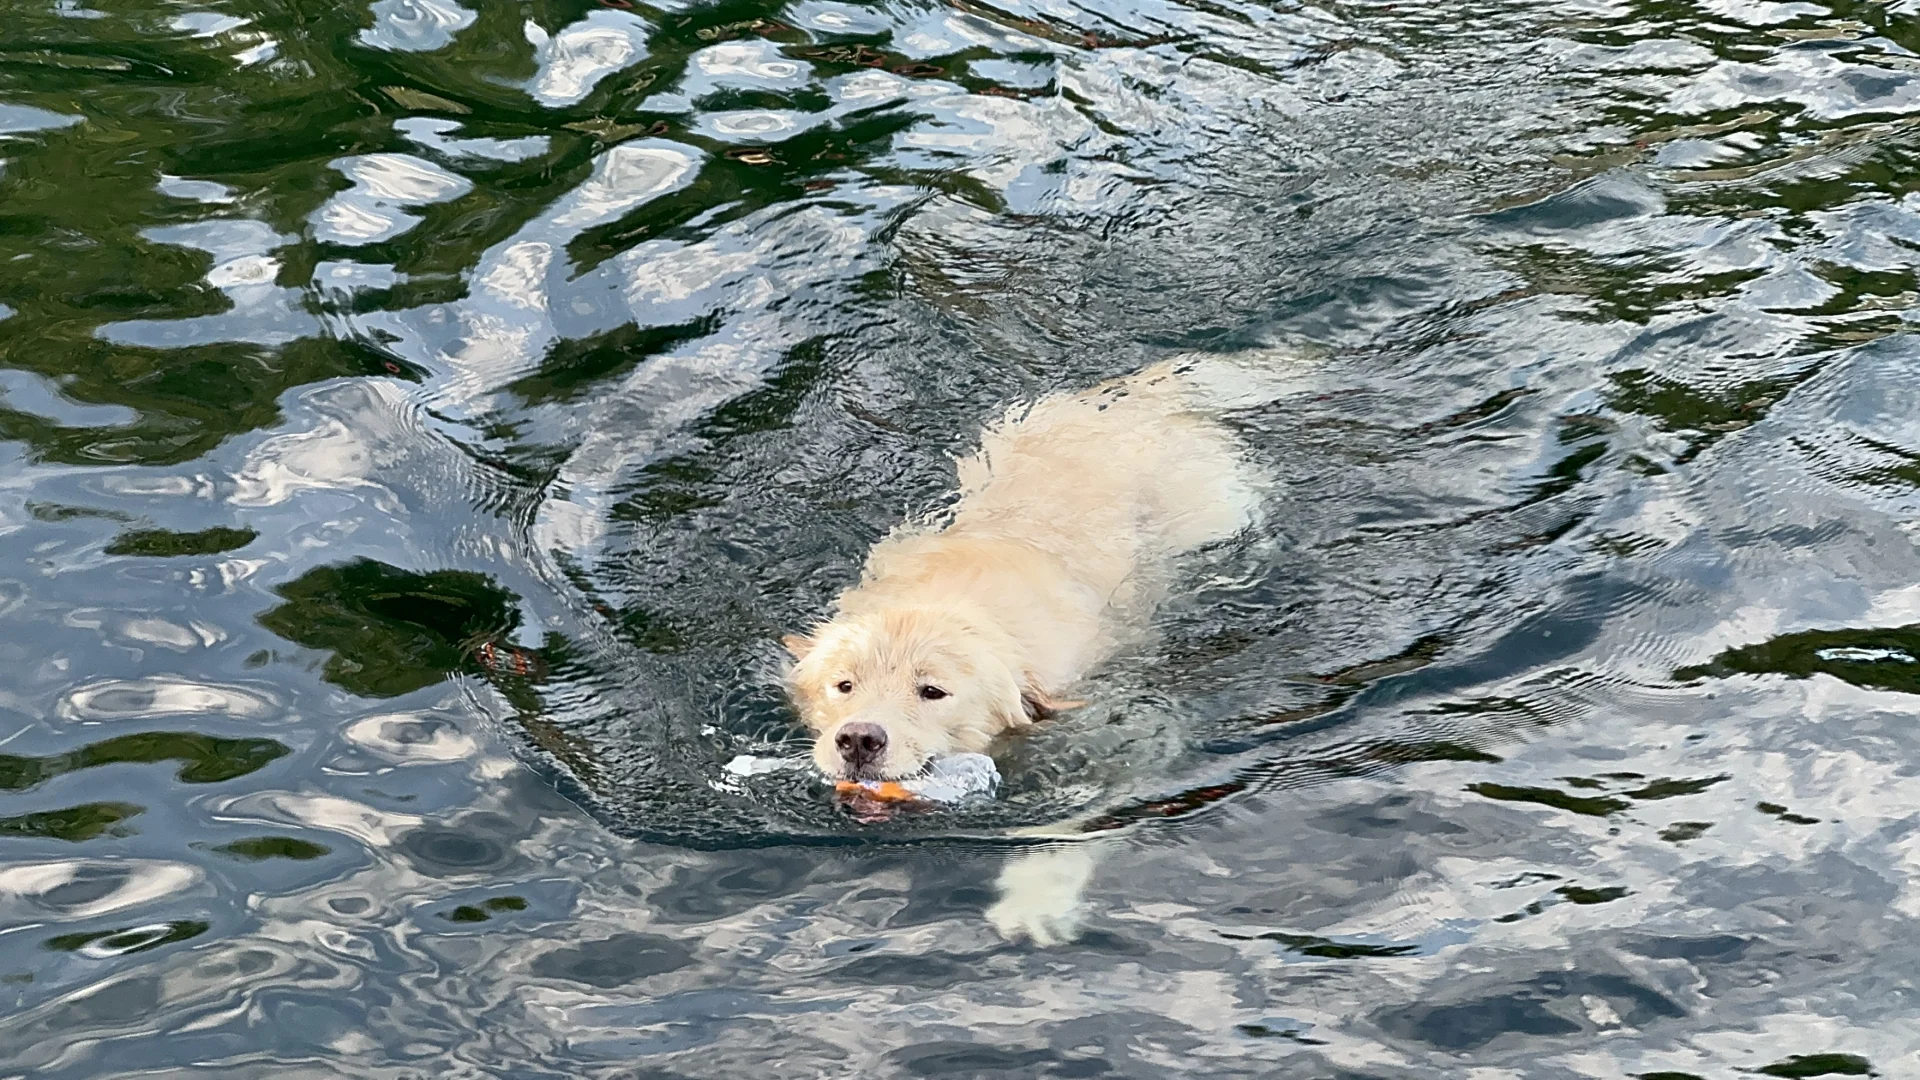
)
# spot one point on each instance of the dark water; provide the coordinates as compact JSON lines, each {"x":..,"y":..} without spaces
{"x":421,"y":418}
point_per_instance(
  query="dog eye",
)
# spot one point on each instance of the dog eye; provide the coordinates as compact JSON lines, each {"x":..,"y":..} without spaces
{"x":845,"y":686}
{"x":931,"y":693}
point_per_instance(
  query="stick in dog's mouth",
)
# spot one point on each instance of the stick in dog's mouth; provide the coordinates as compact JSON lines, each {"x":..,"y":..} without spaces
{"x":945,"y":780}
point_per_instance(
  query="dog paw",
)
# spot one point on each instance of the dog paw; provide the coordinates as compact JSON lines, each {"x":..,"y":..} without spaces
{"x":1042,"y":895}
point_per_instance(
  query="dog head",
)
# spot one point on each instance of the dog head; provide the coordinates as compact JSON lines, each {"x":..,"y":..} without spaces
{"x":886,"y":692}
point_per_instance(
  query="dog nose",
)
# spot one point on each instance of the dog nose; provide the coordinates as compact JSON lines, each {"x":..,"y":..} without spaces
{"x":859,"y":742}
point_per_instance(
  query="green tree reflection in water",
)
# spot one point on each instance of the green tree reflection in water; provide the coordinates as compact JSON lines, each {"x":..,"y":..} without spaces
{"x":391,"y":631}
{"x":1878,"y":659}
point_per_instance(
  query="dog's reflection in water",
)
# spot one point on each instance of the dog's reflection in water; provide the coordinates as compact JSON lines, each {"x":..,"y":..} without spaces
{"x":1043,"y":893}
{"x":1070,"y":518}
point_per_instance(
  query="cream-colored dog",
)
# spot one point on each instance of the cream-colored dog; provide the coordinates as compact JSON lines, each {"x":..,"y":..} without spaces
{"x":1069,"y":517}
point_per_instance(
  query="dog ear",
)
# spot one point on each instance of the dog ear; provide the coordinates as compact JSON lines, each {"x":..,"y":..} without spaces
{"x":798,"y":644}
{"x":1040,"y":705}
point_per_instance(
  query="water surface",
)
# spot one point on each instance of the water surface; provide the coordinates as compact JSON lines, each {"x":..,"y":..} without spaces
{"x":422,"y":417}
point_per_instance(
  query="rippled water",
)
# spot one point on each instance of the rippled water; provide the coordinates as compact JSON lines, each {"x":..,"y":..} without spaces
{"x":422,"y":417}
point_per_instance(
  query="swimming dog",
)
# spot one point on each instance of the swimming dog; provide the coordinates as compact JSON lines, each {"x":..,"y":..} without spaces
{"x":1069,"y":519}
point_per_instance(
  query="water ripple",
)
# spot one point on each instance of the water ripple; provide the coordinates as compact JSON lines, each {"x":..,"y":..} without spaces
{"x":423,"y":417}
